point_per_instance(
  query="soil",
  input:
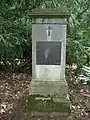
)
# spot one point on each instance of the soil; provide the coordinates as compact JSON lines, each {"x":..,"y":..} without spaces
{"x":14,"y":90}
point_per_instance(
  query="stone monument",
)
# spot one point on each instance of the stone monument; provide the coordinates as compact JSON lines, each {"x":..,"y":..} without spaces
{"x":48,"y":88}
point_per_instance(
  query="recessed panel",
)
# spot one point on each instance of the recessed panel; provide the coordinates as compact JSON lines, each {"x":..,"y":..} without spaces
{"x":48,"y":53}
{"x":48,"y":72}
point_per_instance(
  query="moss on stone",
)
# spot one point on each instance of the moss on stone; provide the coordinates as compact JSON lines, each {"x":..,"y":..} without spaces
{"x":46,"y":105}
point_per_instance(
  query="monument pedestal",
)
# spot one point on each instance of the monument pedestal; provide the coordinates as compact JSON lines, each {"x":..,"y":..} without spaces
{"x":48,"y":89}
{"x":49,"y":96}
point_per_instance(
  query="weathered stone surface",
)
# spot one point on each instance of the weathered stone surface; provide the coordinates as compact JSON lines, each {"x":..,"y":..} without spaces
{"x":50,"y":114}
{"x":39,"y":34}
{"x":48,"y":105}
{"x":49,"y":96}
{"x":50,"y":13}
{"x":49,"y":88}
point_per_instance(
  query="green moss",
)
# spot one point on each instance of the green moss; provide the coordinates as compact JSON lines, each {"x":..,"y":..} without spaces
{"x":46,"y":105}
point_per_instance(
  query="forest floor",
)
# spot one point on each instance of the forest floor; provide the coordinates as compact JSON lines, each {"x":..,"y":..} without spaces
{"x":14,"y":90}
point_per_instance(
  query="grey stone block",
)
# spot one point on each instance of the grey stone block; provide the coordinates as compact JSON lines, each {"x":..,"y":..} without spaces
{"x":53,"y":89}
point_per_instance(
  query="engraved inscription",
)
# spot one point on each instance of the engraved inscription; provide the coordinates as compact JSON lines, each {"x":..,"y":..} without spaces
{"x":46,"y":72}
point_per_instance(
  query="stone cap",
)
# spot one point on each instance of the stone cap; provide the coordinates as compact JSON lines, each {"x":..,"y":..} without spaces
{"x":49,"y":13}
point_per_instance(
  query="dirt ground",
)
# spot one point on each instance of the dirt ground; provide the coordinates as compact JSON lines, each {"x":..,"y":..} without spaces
{"x":14,"y":91}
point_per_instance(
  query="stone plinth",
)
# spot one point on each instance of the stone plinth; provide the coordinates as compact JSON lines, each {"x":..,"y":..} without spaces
{"x":49,"y":96}
{"x":49,"y":88}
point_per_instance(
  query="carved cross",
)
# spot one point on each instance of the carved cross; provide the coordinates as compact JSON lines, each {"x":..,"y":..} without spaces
{"x":49,"y":31}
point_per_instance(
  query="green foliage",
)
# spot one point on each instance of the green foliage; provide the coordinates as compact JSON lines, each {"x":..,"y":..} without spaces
{"x":15,"y":29}
{"x":77,"y":53}
{"x":78,"y":44}
{"x":86,"y":73}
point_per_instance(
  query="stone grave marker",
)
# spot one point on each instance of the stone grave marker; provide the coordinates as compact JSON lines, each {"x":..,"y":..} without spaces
{"x":48,"y":88}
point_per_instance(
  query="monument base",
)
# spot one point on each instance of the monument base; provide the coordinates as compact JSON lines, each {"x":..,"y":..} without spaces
{"x":49,"y":97}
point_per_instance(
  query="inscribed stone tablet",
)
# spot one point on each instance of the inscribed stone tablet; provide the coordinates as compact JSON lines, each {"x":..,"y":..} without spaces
{"x":48,"y":53}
